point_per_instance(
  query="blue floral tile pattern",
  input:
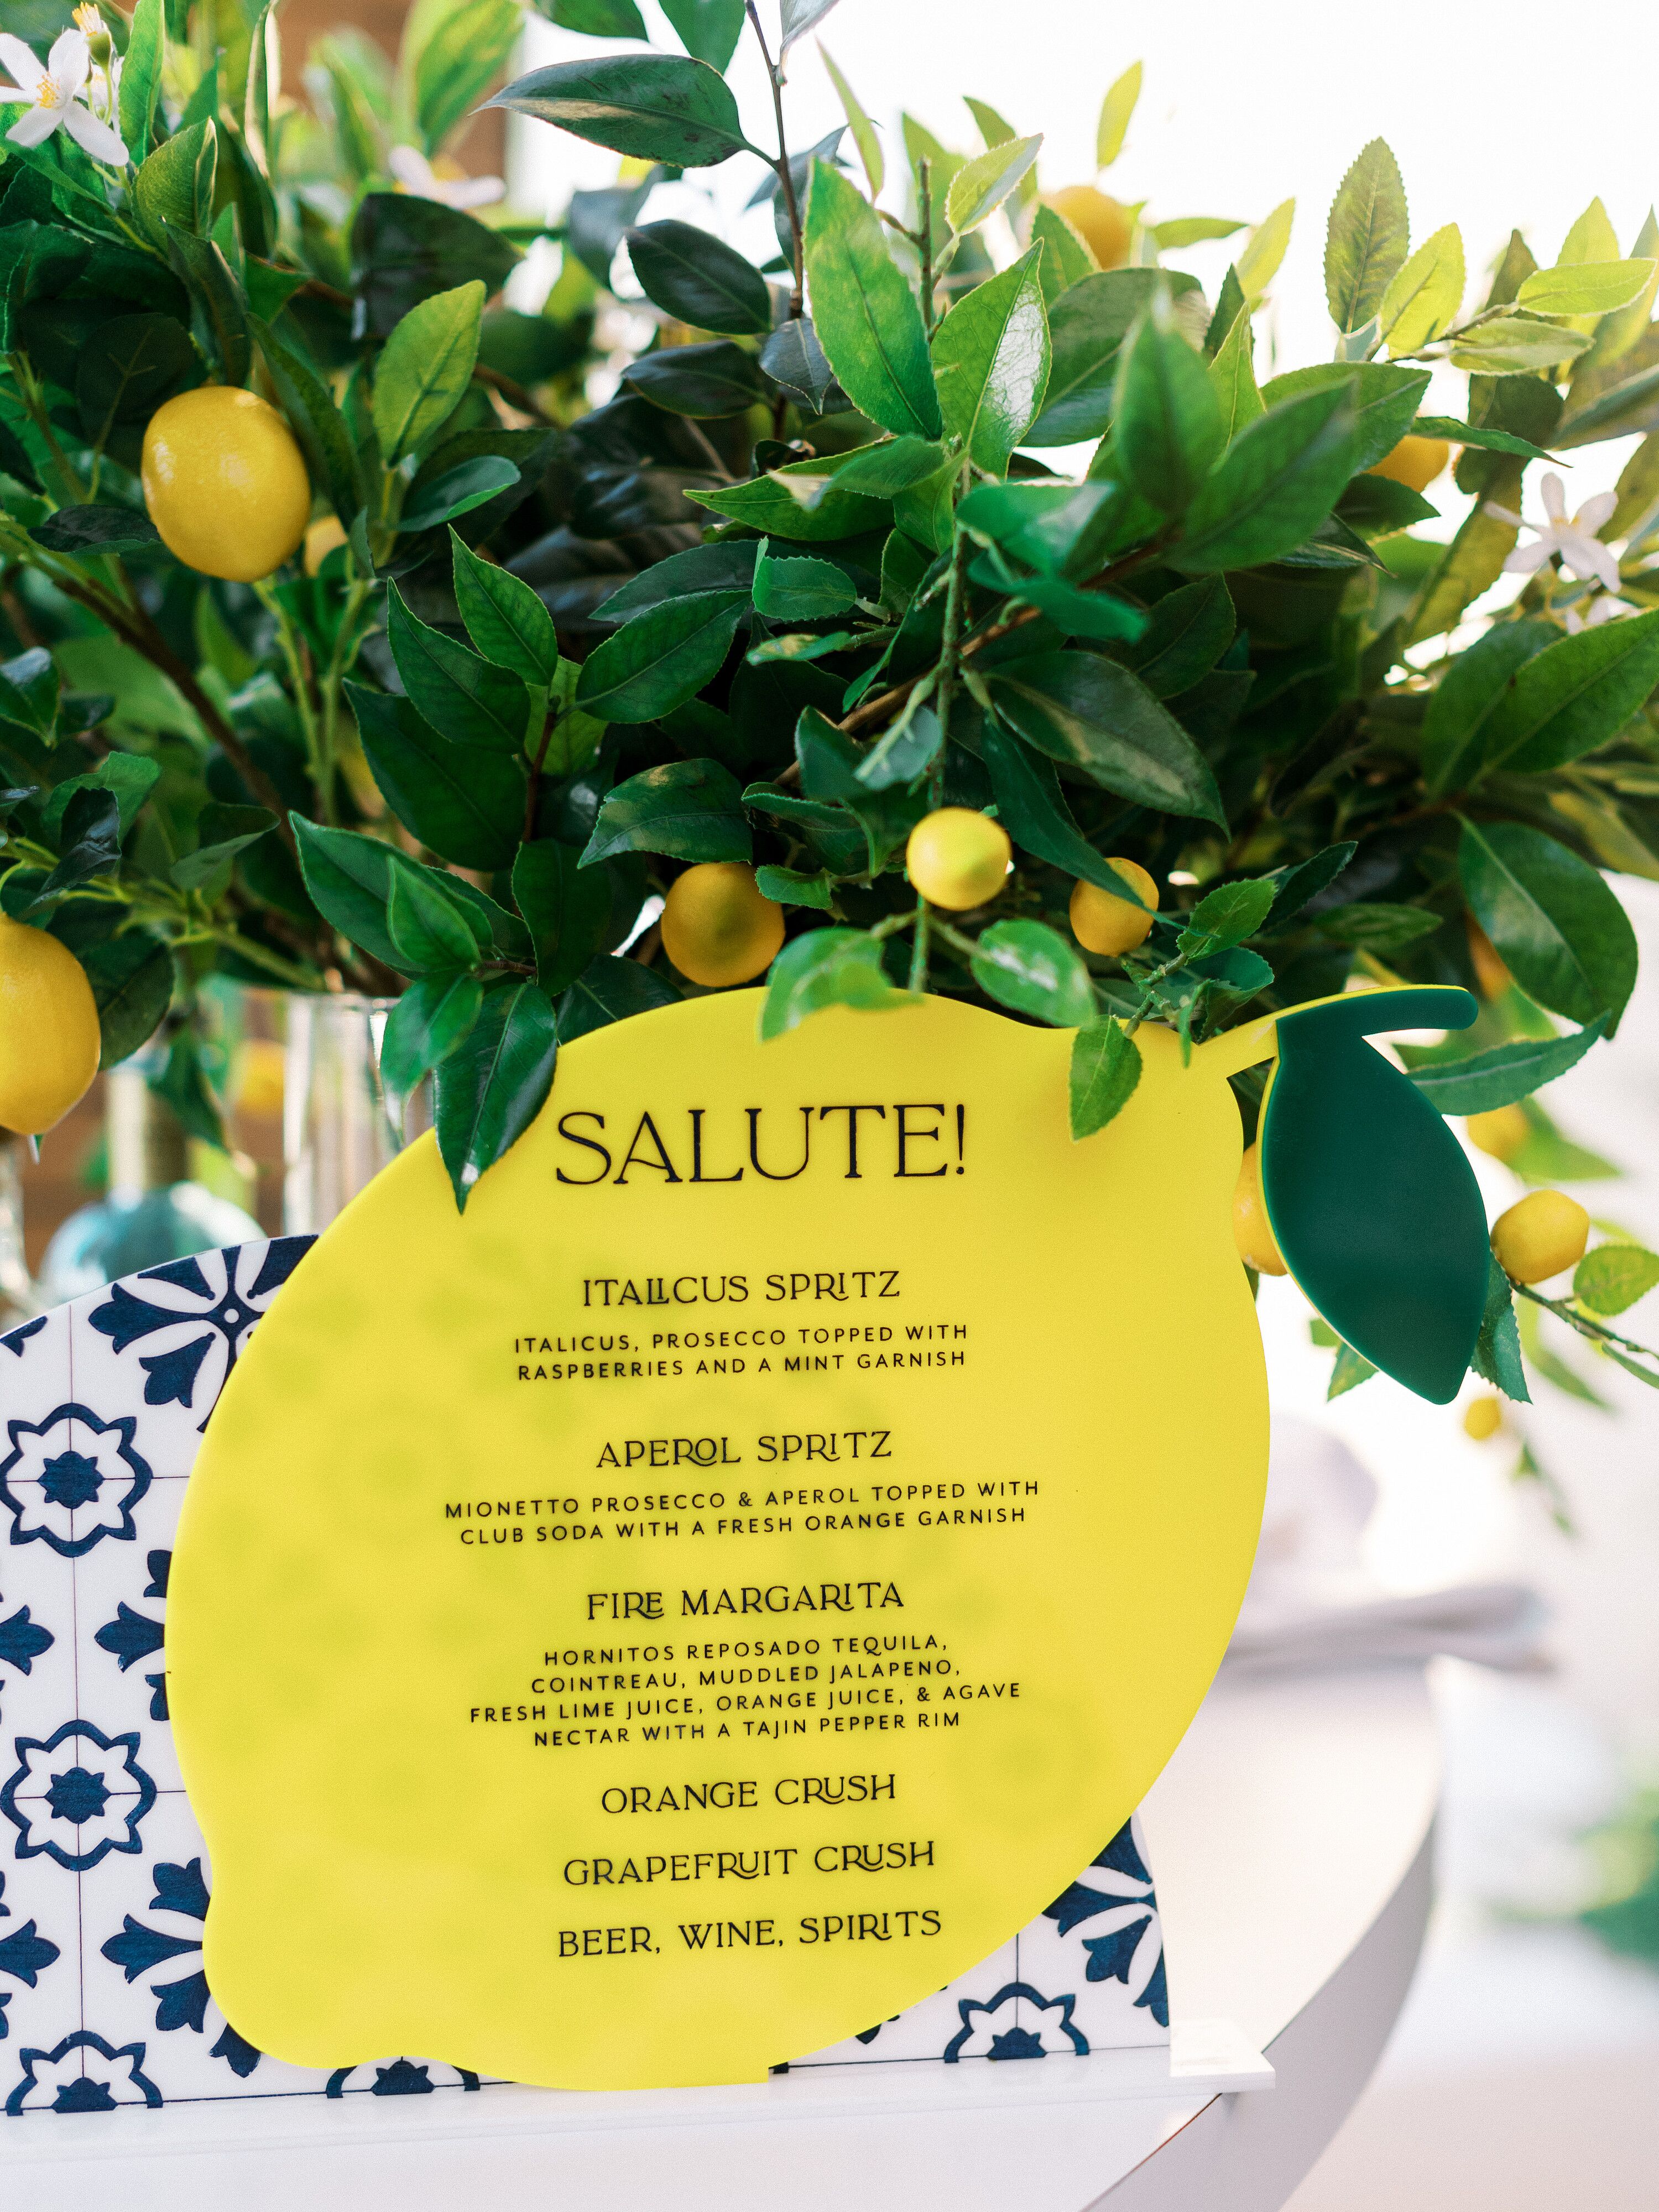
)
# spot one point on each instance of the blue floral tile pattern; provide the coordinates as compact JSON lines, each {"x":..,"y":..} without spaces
{"x":105,"y":1882}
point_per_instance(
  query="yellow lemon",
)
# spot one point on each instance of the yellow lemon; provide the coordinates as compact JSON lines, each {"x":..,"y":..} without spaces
{"x":1105,"y":224}
{"x":717,"y":927}
{"x":1490,"y":973}
{"x":1501,"y":1132}
{"x":1540,"y":1235}
{"x":1104,"y":924}
{"x":225,"y":483}
{"x":258,"y":1084}
{"x":957,"y":858}
{"x":320,"y":540}
{"x":49,"y":1038}
{"x":1415,"y":461}
{"x":1482,"y":1418}
{"x":1252,"y":1233}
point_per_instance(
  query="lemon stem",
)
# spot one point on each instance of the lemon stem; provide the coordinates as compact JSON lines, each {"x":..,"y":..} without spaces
{"x":918,"y":983}
{"x":1564,"y":1309}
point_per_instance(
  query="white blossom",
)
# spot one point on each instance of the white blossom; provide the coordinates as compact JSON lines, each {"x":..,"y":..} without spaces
{"x":1603,"y":608}
{"x":416,"y":174}
{"x":1581,"y":552}
{"x":56,"y":91}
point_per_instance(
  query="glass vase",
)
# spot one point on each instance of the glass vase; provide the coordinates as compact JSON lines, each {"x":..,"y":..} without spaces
{"x":339,"y":1129}
{"x":20,"y":1300}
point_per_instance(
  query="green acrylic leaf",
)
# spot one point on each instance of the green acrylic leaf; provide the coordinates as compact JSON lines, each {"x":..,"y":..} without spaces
{"x":1372,"y":1202}
{"x":864,"y":312}
{"x":1105,"y":1068}
{"x":1556,"y":926}
{"x":691,"y":809}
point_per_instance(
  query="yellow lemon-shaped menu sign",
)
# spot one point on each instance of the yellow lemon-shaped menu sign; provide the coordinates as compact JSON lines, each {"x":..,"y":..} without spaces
{"x":727,"y":1583}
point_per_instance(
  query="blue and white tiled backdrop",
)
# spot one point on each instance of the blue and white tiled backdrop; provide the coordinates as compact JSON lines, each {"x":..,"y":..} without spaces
{"x":104,"y":1883}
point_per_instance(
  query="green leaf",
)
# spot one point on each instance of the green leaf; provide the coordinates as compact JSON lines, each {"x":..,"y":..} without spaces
{"x":1456,"y":729}
{"x":991,"y":363}
{"x":1188,"y":631}
{"x":979,"y":186}
{"x":349,"y":877}
{"x":800,"y":590}
{"x":1425,"y":296}
{"x":596,"y":19}
{"x":463,"y":698}
{"x":1556,"y":926}
{"x":1374,"y":925}
{"x":1614,"y":1277}
{"x":1385,"y":396}
{"x":492,"y":1087}
{"x":1087,"y":325}
{"x":457,"y":492}
{"x":789,"y":887}
{"x":131,"y":979}
{"x":1274,"y":485}
{"x":1264,"y":250}
{"x":1348,"y":1371}
{"x":128,"y":777}
{"x":1100,"y":615}
{"x":687,"y":272}
{"x":1365,"y":243}
{"x":405,"y":248}
{"x":1116,"y":110}
{"x":826,"y":968}
{"x":658,"y":107}
{"x":1095,"y":717}
{"x":88,"y":531}
{"x":1167,"y":426}
{"x":708,"y":29}
{"x":221,"y":832}
{"x":728,"y":566}
{"x":1031,"y":807}
{"x":316,"y":421}
{"x":1184,"y":230}
{"x":183,"y":1083}
{"x":1299,"y":885}
{"x":424,"y":368}
{"x":906,"y":748}
{"x":795,"y":361}
{"x":566,"y":907}
{"x":661,"y":657}
{"x":1469,"y":433}
{"x":1227,"y":916}
{"x":1512,"y":346}
{"x":1593,"y":289}
{"x":173,"y":188}
{"x":1474,"y":560}
{"x":832,"y":770}
{"x":1573,"y":696}
{"x":468,"y":45}
{"x":30,"y":688}
{"x":796,"y":18}
{"x":505,"y":618}
{"x":893,"y":465}
{"x":1030,"y":967}
{"x":128,"y":367}
{"x":429,"y":927}
{"x":708,"y":381}
{"x":1232,"y":372}
{"x":1497,"y":1355}
{"x":1506,"y":1074}
{"x":864,"y":132}
{"x":864,"y":313}
{"x":610,"y":989}
{"x":432,"y":1018}
{"x":465,"y":802}
{"x":1104,"y":1071}
{"x":141,"y":75}
{"x":1066,"y":258}
{"x":799,"y":501}
{"x":219,"y":311}
{"x":691,"y":809}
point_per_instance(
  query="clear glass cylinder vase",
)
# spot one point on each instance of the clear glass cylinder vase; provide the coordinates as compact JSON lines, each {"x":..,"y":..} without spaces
{"x":20,"y":1301}
{"x":339,"y":1129}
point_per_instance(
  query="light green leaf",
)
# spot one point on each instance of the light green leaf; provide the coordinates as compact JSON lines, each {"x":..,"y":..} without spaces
{"x":1066,"y":257}
{"x":1264,"y":250}
{"x":1193,"y":230}
{"x":1614,"y":1277}
{"x":433,"y":1018}
{"x":141,"y":75}
{"x":979,"y":186}
{"x":826,"y":968}
{"x":1588,"y":289}
{"x":1232,"y":373}
{"x":1104,"y":1071}
{"x":1275,"y":484}
{"x":990,"y":358}
{"x":1030,"y":967}
{"x":1367,"y":242}
{"x":1425,"y":297}
{"x":424,"y":369}
{"x":1574,"y":695}
{"x":1115,"y":111}
{"x":790,"y":887}
{"x":1227,"y":916}
{"x":864,"y":312}
{"x":863,"y":130}
{"x":1512,"y":346}
{"x":1592,"y":238}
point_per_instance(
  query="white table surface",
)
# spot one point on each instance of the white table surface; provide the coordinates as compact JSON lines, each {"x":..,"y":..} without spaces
{"x":1289,"y":1840}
